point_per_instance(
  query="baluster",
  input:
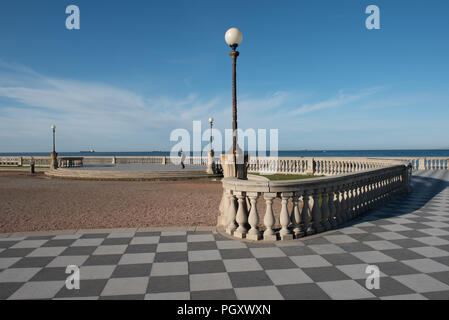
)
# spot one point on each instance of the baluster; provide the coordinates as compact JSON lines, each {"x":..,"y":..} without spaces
{"x":371,"y":194}
{"x":284,"y":218}
{"x":353,"y":200}
{"x":305,"y":215}
{"x":338,"y":205}
{"x":368,"y":194}
{"x":344,"y":203}
{"x":325,"y":212}
{"x":316,"y":211}
{"x":296,"y":215}
{"x":358,"y":198}
{"x":232,"y":213}
{"x":242,"y":215}
{"x":364,"y":196}
{"x":349,"y":201}
{"x":268,"y":220}
{"x":332,"y":208}
{"x":384,"y":188}
{"x":360,"y":201}
{"x":253,"y":219}
{"x":389,"y":189}
{"x":376,"y":192}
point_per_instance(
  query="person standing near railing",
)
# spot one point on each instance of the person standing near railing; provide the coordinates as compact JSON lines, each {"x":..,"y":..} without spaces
{"x":183,"y":157}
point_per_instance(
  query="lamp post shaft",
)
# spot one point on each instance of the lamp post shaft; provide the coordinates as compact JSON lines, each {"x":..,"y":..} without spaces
{"x":54,"y":141}
{"x":211,"y":136}
{"x":234,"y":54}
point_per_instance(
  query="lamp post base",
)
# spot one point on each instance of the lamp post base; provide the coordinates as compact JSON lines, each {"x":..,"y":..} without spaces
{"x":227,"y":163}
{"x":53,"y":160}
{"x":210,"y":162}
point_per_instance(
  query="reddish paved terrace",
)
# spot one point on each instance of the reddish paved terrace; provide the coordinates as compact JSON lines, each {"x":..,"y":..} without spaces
{"x":32,"y":203}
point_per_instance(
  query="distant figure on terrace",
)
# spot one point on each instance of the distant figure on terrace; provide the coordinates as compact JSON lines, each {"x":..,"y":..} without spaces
{"x":183,"y":157}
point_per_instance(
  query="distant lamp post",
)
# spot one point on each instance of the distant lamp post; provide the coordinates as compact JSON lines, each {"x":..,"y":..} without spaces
{"x":54,"y":155}
{"x":210,"y":157}
{"x":53,"y":127}
{"x":211,"y":121}
{"x":233,"y":38}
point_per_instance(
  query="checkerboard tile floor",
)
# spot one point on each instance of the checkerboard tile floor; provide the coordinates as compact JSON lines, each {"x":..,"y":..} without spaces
{"x":408,"y":240}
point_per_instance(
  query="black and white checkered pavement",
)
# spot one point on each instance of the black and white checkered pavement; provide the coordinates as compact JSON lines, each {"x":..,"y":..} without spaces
{"x":408,"y":240}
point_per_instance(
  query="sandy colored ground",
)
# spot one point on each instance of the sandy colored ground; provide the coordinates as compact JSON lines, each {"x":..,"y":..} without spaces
{"x":34,"y":203}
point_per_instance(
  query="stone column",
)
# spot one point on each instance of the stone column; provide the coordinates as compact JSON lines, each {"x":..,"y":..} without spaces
{"x":295,"y":215}
{"x":284,"y":217}
{"x":253,"y":219}
{"x":316,"y":211}
{"x":232,"y":213}
{"x":242,"y":216}
{"x":268,"y":220}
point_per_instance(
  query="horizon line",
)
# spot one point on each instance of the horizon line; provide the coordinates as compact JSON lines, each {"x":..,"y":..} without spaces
{"x":285,"y":150}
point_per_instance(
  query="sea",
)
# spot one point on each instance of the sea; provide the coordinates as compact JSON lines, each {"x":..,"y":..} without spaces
{"x":284,"y":153}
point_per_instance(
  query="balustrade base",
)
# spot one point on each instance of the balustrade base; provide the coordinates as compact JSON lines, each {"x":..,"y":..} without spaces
{"x":230,"y":231}
{"x":270,"y":237}
{"x":286,"y":237}
{"x":299,"y":234}
{"x":317,"y":227}
{"x":255,"y":237}
{"x":326,"y":225}
{"x":240,"y":234}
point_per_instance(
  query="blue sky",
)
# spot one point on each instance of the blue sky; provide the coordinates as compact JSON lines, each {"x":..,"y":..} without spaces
{"x":138,"y":69}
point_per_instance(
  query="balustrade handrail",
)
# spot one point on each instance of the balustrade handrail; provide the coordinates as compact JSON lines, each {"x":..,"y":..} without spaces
{"x":289,"y":185}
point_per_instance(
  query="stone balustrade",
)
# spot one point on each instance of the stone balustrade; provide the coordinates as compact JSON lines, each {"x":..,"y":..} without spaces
{"x":285,"y":165}
{"x":307,"y":206}
{"x":70,"y":162}
{"x":24,"y":161}
{"x":428,"y":163}
{"x":315,"y":166}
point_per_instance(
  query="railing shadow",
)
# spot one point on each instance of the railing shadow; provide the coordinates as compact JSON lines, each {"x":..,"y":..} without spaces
{"x":424,"y":189}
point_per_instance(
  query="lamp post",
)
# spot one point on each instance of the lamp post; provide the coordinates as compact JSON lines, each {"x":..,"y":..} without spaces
{"x":53,"y":156}
{"x":211,"y":121}
{"x":210,"y":157}
{"x":53,"y":127}
{"x":233,"y":38}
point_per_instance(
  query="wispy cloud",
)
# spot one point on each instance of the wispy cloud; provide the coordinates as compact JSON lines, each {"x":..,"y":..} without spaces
{"x":340,"y":100}
{"x":95,"y":114}
{"x":396,"y":102}
{"x":30,"y":101}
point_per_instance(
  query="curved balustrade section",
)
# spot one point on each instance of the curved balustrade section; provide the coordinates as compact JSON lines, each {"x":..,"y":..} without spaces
{"x":307,"y":206}
{"x":317,"y":166}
